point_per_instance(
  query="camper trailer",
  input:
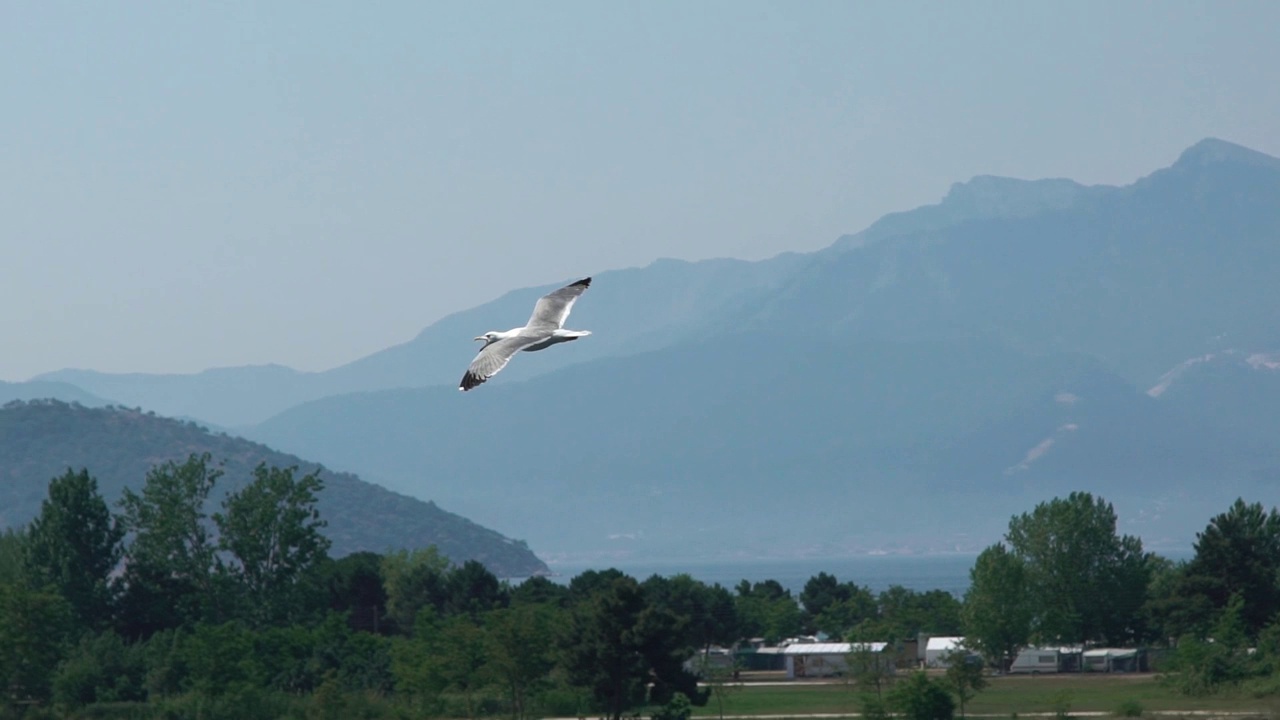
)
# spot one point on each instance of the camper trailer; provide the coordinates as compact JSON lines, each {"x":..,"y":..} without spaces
{"x":1037,"y":660}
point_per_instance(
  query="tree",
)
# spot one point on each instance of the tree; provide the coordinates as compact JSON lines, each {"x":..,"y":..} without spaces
{"x":964,"y":676}
{"x":616,"y":643}
{"x":1170,"y":613}
{"x":905,"y":613}
{"x":820,"y":592}
{"x":766,"y":609}
{"x":414,"y":579}
{"x":538,"y":590}
{"x":719,"y":680}
{"x":997,"y":609}
{"x":271,"y":529}
{"x":1238,"y":553}
{"x":103,"y":668}
{"x":461,"y":658}
{"x":35,"y":632}
{"x":520,"y":646}
{"x":73,"y":545}
{"x":708,"y":614}
{"x":169,"y":565}
{"x":834,"y":607}
{"x":472,"y":590}
{"x":920,"y":697}
{"x":12,"y":557}
{"x":870,"y":670}
{"x":1089,"y":584}
{"x":354,"y":584}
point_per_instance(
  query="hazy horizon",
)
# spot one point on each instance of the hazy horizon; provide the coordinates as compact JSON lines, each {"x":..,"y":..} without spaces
{"x":189,"y":187}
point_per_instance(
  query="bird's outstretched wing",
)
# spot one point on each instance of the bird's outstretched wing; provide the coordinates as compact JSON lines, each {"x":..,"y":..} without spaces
{"x":492,"y":358}
{"x":554,"y":307}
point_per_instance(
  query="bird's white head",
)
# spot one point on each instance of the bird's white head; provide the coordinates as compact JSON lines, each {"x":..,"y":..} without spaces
{"x":488,"y":337}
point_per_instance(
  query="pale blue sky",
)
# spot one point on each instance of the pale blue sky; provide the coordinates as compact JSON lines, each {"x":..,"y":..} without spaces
{"x":193,"y":185}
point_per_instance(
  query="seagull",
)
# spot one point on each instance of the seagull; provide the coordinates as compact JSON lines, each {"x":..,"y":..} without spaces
{"x":544,"y":329}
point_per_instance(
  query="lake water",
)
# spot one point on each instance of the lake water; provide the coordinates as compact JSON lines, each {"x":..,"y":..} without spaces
{"x":917,"y":572}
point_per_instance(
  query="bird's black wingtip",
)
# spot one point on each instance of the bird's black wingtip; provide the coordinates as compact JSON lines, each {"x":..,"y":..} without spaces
{"x":584,"y":282}
{"x":470,"y":380}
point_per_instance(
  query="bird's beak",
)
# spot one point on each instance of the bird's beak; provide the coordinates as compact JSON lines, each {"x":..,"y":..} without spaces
{"x":480,"y":337}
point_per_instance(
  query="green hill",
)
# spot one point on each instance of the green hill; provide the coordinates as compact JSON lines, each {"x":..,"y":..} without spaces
{"x":41,"y":439}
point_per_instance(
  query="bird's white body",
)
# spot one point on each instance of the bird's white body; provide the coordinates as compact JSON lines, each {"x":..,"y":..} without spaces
{"x":559,"y":336}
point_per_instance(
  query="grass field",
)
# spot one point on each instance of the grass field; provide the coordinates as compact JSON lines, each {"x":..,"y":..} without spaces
{"x":1004,"y":696}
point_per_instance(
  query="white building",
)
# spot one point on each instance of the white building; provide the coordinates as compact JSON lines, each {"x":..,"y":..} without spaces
{"x":937,"y":649}
{"x":814,"y":659}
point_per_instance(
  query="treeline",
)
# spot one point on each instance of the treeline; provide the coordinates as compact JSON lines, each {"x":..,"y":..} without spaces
{"x":156,"y":609}
{"x":160,"y":610}
{"x":1063,"y":576}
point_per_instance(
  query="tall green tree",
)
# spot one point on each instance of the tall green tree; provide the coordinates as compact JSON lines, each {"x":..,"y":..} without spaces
{"x":1238,"y":553}
{"x":870,"y":670}
{"x":707,"y":612}
{"x":835,"y":607}
{"x":169,"y":565}
{"x":73,"y":545}
{"x":355,"y":587}
{"x":766,"y":609}
{"x":521,"y":651}
{"x":905,"y":613}
{"x":616,"y":643}
{"x":414,"y":579}
{"x":998,"y":607}
{"x":1088,"y":582}
{"x":472,"y":590}
{"x":964,"y":676}
{"x":271,"y":531}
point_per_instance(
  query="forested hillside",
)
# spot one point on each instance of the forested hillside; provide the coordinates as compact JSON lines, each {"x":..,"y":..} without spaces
{"x":40,"y":440}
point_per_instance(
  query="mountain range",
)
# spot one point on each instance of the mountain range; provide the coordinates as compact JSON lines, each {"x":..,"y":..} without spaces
{"x":905,"y":389}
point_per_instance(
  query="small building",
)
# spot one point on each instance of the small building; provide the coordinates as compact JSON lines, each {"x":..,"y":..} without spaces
{"x":938,"y":649}
{"x":813,"y":659}
{"x":712,"y":659}
{"x":1113,"y":660}
{"x":1036,"y":660}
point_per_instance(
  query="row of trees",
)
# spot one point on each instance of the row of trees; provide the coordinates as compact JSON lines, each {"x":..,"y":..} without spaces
{"x":162,"y":605}
{"x":1064,"y":576}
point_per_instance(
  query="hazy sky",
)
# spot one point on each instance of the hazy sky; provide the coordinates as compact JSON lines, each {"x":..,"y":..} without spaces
{"x":193,"y":185}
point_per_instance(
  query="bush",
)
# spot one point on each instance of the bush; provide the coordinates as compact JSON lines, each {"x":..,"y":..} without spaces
{"x":1263,"y":687}
{"x":563,"y":702}
{"x":102,"y":669}
{"x":872,"y":707}
{"x":1129,"y":709}
{"x":677,"y":708}
{"x":922,"y":698}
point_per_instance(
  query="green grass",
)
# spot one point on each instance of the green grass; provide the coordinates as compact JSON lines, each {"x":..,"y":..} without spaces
{"x":1003,"y":696}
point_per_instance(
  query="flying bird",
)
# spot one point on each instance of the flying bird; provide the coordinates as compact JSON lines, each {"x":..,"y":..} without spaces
{"x":544,"y":329}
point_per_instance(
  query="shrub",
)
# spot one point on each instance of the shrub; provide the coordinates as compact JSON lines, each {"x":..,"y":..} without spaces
{"x":1129,"y":708}
{"x":677,"y":708}
{"x":872,"y":707}
{"x":922,"y":698}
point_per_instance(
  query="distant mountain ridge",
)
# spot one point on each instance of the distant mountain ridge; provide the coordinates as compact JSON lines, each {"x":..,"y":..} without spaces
{"x":980,"y":362}
{"x":41,"y":389}
{"x":40,"y":440}
{"x":676,"y":296}
{"x":905,"y":389}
